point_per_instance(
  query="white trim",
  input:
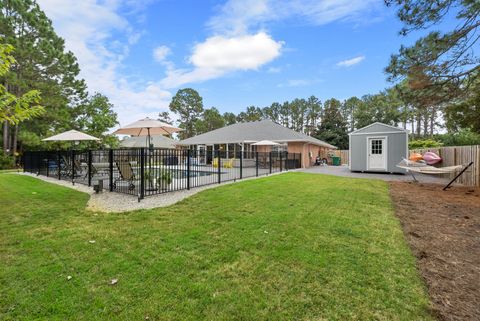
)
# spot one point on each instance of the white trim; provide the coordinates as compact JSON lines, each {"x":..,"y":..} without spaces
{"x":350,"y":152}
{"x":384,"y":149}
{"x":379,"y":123}
{"x":376,"y":133}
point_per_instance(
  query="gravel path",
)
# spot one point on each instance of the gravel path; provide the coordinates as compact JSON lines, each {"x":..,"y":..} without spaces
{"x":111,"y":202}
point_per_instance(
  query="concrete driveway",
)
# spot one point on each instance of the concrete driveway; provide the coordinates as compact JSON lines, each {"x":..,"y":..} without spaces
{"x":345,"y":172}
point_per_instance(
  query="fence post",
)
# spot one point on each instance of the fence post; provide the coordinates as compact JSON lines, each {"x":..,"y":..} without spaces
{"x":270,"y":161}
{"x":110,"y":168}
{"x":281,"y":153}
{"x":142,"y":174}
{"x":219,"y":171}
{"x":188,"y":168}
{"x":58,"y":166}
{"x":89,"y":169}
{"x":241,"y":165}
{"x":73,"y":166}
{"x":256,"y":164}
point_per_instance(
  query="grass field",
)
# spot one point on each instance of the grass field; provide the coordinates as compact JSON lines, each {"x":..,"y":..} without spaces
{"x":287,"y":247}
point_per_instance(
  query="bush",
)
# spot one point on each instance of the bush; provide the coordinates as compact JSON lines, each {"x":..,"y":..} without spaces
{"x":462,"y":138}
{"x":423,"y":143}
{"x":6,"y":161}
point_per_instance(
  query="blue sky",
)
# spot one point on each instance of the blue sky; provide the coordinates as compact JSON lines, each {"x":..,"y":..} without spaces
{"x":236,"y":53}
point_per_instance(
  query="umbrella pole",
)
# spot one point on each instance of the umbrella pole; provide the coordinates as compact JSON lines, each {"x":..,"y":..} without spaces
{"x":149,"y":152}
{"x":152,"y":188}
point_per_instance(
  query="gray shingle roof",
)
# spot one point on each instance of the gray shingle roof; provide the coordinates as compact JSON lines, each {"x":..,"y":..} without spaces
{"x":158,"y":141}
{"x":252,"y":132}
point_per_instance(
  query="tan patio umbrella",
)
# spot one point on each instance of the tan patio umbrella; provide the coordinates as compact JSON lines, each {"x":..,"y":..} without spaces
{"x":265,"y":143}
{"x":70,"y":136}
{"x":147,"y":127}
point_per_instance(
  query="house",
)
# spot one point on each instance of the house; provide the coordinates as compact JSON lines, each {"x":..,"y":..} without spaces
{"x":378,"y":148}
{"x":240,"y":137}
{"x":158,"y":141}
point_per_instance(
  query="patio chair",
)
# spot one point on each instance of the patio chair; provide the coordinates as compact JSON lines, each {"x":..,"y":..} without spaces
{"x":126,"y":175}
{"x":215,"y":162}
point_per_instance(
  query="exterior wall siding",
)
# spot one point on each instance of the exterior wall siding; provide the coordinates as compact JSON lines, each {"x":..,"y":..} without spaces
{"x":309,"y":152}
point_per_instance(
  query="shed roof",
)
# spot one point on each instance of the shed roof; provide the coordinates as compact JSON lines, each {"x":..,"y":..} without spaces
{"x":378,"y":127}
{"x":251,"y":132}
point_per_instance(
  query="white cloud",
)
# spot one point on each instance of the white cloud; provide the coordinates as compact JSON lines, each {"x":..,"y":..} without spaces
{"x":161,"y":52}
{"x":238,"y":42}
{"x":295,"y":83}
{"x":351,"y":62}
{"x":87,"y":27}
{"x":219,"y":55}
{"x":239,"y":16}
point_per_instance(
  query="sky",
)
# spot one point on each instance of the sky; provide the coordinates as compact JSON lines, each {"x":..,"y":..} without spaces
{"x":235,"y":53}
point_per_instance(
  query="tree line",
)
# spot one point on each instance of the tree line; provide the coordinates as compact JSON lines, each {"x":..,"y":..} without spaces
{"x":42,"y":93}
{"x":435,"y":85}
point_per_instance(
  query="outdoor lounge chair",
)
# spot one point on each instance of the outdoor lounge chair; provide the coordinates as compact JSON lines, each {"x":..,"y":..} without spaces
{"x":100,"y":169}
{"x":126,"y":175}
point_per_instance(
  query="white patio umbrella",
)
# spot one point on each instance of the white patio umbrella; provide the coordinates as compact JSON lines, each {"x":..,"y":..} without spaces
{"x":147,"y":127}
{"x":70,"y":136}
{"x":265,"y":143}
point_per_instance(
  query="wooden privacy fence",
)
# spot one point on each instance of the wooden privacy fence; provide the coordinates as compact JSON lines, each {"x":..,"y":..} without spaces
{"x":459,"y":155}
{"x":454,"y":155}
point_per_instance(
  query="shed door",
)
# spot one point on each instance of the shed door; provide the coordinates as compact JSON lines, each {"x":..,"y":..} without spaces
{"x":377,"y":154}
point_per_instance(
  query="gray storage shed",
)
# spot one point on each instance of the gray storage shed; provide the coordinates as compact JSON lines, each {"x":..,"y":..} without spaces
{"x":378,"y":148}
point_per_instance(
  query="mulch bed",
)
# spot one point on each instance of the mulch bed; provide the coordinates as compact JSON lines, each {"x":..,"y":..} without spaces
{"x":443,"y":230}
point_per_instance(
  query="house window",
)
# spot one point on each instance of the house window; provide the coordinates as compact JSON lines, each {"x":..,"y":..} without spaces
{"x":280,"y":148}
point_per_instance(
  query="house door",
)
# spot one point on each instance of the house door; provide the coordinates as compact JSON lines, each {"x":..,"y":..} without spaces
{"x":377,"y":154}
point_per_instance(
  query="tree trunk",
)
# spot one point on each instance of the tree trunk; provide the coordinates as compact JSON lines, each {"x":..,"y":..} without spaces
{"x":412,"y":123}
{"x":419,"y":124}
{"x":432,"y":120}
{"x":14,"y":143}
{"x":425,"y":123}
{"x":5,"y":138}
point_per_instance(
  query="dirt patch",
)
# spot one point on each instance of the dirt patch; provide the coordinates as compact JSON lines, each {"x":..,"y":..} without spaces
{"x":443,"y":230}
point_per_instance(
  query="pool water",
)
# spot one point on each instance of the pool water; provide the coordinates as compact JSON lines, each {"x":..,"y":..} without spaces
{"x":179,"y":174}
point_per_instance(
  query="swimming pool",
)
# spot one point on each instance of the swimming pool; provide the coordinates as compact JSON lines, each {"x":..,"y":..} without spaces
{"x":181,"y":173}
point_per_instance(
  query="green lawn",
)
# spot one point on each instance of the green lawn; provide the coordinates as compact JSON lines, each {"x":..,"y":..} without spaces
{"x":288,"y":247}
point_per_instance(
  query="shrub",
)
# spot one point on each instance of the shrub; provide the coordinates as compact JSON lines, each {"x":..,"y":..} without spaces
{"x":423,"y":143}
{"x":6,"y":161}
{"x":462,"y":138}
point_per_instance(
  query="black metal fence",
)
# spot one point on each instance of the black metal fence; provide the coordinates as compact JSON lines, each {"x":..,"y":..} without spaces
{"x":144,"y":172}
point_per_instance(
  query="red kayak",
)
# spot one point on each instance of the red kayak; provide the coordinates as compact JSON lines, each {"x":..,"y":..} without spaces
{"x":431,"y":158}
